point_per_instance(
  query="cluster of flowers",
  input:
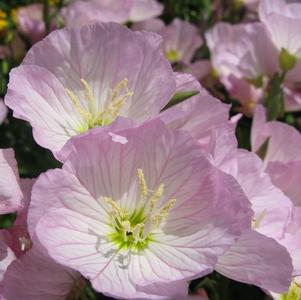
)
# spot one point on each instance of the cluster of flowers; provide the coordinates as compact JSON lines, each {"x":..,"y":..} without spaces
{"x":150,"y":197}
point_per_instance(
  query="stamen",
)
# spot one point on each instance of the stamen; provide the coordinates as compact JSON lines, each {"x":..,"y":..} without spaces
{"x":156,"y":196}
{"x":118,"y":97}
{"x":167,"y":207}
{"x":142,"y":183}
{"x":116,"y":209}
{"x":157,"y":219}
{"x":85,"y":114}
{"x":89,"y":95}
{"x":92,"y":117}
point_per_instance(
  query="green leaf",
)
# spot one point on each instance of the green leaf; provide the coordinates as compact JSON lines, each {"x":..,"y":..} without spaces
{"x":180,"y":97}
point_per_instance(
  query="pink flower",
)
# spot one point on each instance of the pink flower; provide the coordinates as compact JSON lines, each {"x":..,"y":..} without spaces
{"x":243,"y":55}
{"x":120,"y":11}
{"x":79,"y":78}
{"x":180,"y":39}
{"x":279,"y":144}
{"x":283,"y":21}
{"x":272,"y":212}
{"x":145,"y":9}
{"x":283,"y":156}
{"x":33,"y":274}
{"x":31,"y":23}
{"x":243,"y":50}
{"x":139,"y":218}
{"x":3,"y":111}
{"x":10,"y":192}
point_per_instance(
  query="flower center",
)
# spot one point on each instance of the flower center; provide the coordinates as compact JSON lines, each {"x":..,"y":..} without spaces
{"x":173,"y":55}
{"x":294,"y":292}
{"x":92,"y":115}
{"x":134,"y":230}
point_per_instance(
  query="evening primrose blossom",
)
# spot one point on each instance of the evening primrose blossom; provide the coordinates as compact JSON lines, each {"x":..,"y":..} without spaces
{"x":137,"y":212}
{"x":79,"y":78}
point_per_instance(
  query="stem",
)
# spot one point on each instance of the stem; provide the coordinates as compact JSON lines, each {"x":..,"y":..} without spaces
{"x":46,"y":16}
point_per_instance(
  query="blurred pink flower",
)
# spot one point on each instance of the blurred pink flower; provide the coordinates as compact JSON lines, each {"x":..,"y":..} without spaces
{"x":10,"y":192}
{"x":120,"y":11}
{"x":128,"y":215}
{"x":283,"y":22}
{"x":180,"y":38}
{"x":243,"y":55}
{"x":79,"y":78}
{"x":242,"y":50}
{"x":31,"y":23}
{"x":145,"y":9}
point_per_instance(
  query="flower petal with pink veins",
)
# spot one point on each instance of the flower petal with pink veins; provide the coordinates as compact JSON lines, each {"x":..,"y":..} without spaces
{"x":259,"y":132}
{"x":10,"y":192}
{"x":292,"y":240}
{"x":81,"y":13}
{"x":79,"y":73}
{"x":199,"y":114}
{"x":36,"y":276}
{"x":257,"y":259}
{"x":138,"y":208}
{"x":287,"y":177}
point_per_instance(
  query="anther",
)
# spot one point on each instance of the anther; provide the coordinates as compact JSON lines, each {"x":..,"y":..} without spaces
{"x":142,"y":183}
{"x":156,"y":196}
{"x":89,"y":95}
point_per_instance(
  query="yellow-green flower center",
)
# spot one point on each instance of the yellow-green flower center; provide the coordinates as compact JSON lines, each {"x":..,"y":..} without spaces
{"x":133,"y":230}
{"x":91,"y":114}
{"x":173,"y":55}
{"x":294,"y":292}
